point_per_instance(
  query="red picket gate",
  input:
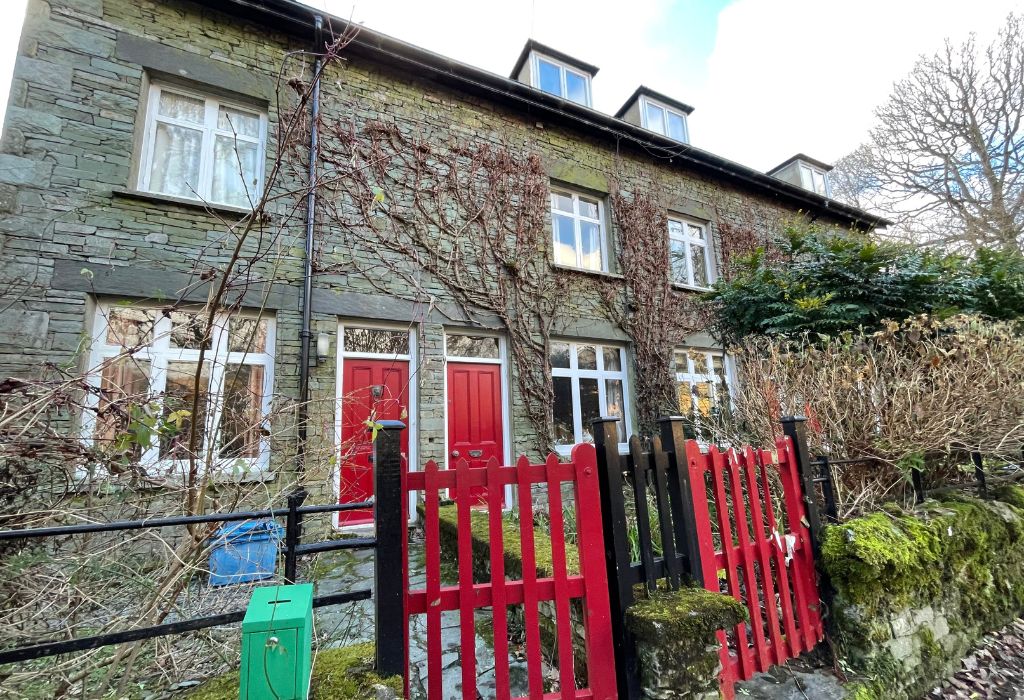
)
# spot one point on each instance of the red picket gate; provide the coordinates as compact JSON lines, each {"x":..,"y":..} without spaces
{"x":763,"y":556}
{"x":589,"y":586}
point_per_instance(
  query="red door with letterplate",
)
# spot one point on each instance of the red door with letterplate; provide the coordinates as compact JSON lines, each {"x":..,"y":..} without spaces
{"x":475,"y":425}
{"x":372,"y":390}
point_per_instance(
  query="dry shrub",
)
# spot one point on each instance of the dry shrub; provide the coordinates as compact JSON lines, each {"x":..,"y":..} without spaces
{"x":923,"y":393}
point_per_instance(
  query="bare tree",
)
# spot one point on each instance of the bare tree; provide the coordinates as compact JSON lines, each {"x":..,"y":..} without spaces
{"x":858,"y":179}
{"x":855,"y":178}
{"x":947,"y":150}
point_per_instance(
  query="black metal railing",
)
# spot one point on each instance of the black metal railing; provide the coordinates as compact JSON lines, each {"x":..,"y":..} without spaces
{"x":389,"y":530}
{"x":981,"y":483}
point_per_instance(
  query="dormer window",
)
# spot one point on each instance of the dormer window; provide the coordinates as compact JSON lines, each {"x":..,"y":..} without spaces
{"x":658,"y":113}
{"x":555,"y":73}
{"x":561,"y":80}
{"x":804,"y":171}
{"x":664,"y":120}
{"x":815,"y":180}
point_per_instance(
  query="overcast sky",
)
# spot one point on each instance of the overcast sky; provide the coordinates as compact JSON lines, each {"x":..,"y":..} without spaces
{"x":768,"y":78}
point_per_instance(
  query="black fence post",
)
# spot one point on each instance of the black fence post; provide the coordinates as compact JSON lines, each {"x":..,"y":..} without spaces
{"x":828,"y":489}
{"x":617,"y":558}
{"x":389,"y":520}
{"x":673,"y":440}
{"x":979,"y":475}
{"x":917,"y":481}
{"x":293,"y":532}
{"x":795,"y":428}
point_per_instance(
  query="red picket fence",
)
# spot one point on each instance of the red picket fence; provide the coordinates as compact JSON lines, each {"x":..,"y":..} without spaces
{"x":590,"y":585}
{"x":771,"y":572}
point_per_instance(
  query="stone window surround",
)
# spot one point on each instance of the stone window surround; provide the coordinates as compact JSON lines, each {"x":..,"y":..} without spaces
{"x":189,"y":70}
{"x":213,"y":100}
{"x":159,"y":353}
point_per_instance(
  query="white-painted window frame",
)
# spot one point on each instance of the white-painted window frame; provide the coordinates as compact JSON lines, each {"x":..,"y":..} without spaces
{"x":159,"y":353}
{"x":645,"y":100}
{"x":807,"y":173}
{"x":577,"y":228}
{"x":689,"y":240}
{"x":693,"y":375}
{"x":536,"y":57}
{"x":574,"y":373}
{"x":210,"y":131}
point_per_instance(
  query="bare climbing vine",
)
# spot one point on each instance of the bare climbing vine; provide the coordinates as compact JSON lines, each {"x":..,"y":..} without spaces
{"x":650,"y":310}
{"x":736,"y":241}
{"x":432,"y":218}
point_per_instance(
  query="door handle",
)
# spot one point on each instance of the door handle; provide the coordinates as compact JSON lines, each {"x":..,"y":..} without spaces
{"x":476,"y":453}
{"x":455,"y":453}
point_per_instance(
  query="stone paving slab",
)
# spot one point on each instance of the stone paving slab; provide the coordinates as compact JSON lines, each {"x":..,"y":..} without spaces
{"x":786,"y":683}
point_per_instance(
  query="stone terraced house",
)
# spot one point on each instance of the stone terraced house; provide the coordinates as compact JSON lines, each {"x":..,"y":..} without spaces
{"x":139,"y":133}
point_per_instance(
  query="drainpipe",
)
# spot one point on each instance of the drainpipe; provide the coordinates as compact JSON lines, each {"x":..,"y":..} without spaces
{"x":306,"y":333}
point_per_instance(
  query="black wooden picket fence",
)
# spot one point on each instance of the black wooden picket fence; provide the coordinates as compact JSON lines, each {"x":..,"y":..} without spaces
{"x":660,"y":472}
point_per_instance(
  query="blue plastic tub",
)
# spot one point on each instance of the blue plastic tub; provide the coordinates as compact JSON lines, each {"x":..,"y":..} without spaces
{"x":244,"y":551}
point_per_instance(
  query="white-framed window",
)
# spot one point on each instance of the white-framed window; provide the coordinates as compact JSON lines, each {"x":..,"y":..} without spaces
{"x":578,"y":230}
{"x":559,"y":78}
{"x":143,"y":368}
{"x":202,"y":147}
{"x":590,"y":382}
{"x":664,"y":120}
{"x":702,"y":387}
{"x":690,"y":259}
{"x":815,"y":180}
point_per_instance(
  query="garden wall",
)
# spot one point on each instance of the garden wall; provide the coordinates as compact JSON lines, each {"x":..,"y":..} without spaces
{"x":915,"y":591}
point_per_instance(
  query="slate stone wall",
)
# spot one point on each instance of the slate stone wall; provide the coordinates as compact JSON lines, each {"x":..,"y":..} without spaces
{"x":915,"y":591}
{"x":73,"y":230}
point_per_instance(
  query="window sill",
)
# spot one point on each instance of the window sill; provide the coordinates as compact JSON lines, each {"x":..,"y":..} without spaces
{"x":257,"y":475}
{"x":200,"y":205}
{"x":690,"y":288}
{"x":566,"y":450}
{"x":584,"y":271}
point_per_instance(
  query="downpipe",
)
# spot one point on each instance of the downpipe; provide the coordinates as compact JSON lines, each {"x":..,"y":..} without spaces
{"x":306,"y":333}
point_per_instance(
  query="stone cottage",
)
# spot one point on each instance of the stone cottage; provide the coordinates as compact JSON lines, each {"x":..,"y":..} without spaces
{"x":474,"y":254}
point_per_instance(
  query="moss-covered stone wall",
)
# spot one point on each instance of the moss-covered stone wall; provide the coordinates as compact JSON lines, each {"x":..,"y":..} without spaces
{"x":676,"y":643}
{"x":915,"y":591}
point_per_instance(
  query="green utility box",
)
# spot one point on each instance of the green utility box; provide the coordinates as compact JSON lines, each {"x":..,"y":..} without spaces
{"x":277,"y":643}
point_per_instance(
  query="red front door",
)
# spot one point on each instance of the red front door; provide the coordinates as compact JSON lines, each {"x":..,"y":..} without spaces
{"x":372,"y":390}
{"x":474,"y":416}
